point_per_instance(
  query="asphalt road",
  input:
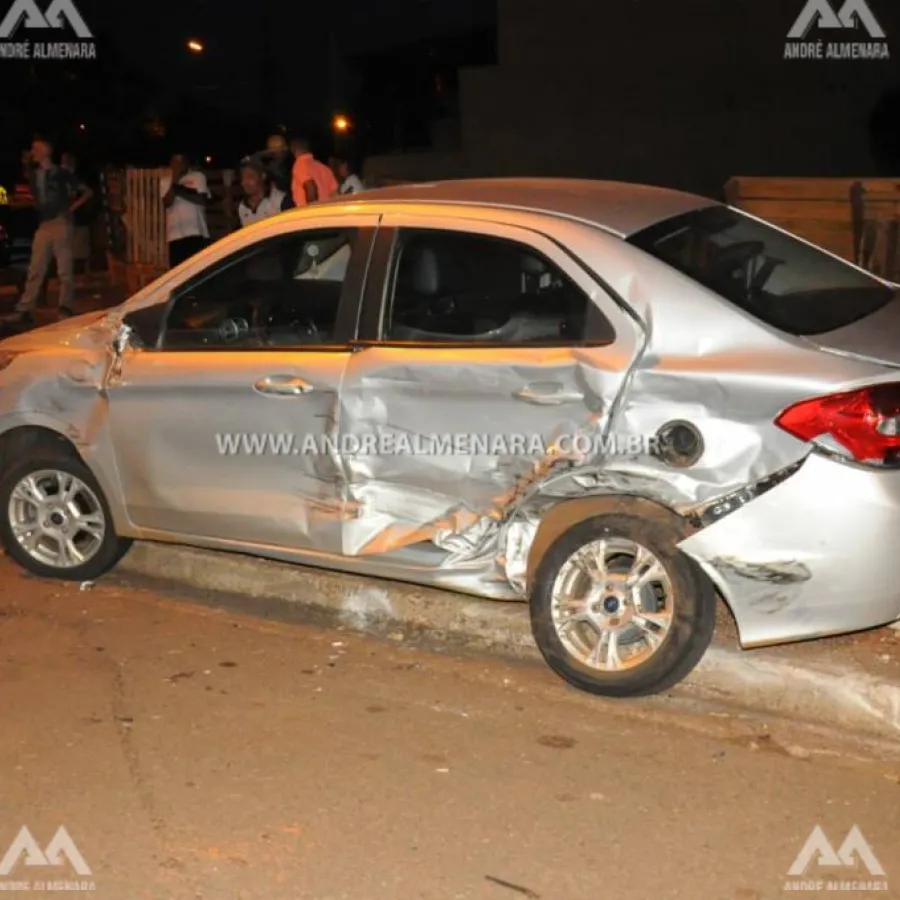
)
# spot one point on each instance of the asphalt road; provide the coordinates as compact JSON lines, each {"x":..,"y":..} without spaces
{"x":196,"y":753}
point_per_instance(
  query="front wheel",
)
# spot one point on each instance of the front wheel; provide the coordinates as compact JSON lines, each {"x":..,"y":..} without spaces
{"x":618,"y":610}
{"x":55,"y":522}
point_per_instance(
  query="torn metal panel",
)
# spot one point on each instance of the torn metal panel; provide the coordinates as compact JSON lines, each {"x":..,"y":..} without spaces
{"x":459,"y":500}
{"x":717,"y":509}
{"x":515,"y":545}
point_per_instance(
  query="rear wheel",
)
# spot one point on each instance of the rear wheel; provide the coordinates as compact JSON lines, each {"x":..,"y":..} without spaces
{"x":618,"y":610}
{"x":55,"y":520}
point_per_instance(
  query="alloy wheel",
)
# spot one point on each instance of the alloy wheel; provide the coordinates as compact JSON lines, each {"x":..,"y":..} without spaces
{"x":56,"y":518}
{"x":612,"y":604}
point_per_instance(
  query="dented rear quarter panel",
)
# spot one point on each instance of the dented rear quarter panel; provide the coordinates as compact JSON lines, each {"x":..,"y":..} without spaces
{"x":782,"y":563}
{"x":812,"y":557}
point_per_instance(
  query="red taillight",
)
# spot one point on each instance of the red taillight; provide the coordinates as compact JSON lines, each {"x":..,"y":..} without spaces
{"x":866,"y":423}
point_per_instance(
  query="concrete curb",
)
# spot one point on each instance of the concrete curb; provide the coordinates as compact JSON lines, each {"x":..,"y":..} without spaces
{"x":819,"y":693}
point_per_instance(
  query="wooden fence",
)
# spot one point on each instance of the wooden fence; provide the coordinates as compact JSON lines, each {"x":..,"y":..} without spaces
{"x":144,"y":217}
{"x":855,"y":218}
{"x":137,"y":250}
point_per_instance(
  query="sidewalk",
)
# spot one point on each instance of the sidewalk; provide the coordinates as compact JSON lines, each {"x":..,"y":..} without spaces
{"x":92,"y":292}
{"x":851,"y":684}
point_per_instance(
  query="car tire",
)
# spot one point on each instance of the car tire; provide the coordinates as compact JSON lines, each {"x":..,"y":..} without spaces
{"x":80,"y":520}
{"x":574,"y":599}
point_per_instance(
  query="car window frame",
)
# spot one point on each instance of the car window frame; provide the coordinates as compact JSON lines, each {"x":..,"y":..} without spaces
{"x":600,"y":331}
{"x":349,"y":305}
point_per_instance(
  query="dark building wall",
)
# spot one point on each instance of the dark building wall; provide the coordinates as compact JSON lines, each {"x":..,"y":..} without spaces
{"x":681,"y":93}
{"x":407,"y":97}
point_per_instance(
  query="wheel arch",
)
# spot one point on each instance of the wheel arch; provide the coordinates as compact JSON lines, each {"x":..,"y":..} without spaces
{"x":569,"y":513}
{"x":23,"y":434}
{"x":21,"y":439}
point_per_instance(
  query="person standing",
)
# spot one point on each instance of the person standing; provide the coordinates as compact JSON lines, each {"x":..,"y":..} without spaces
{"x":262,"y":199}
{"x":280,"y":162}
{"x":312,"y":180}
{"x":185,"y":194}
{"x":58,"y":194}
{"x":349,"y":181}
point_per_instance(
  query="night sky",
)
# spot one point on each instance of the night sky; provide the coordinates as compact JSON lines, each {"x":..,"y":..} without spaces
{"x":303,"y":37}
{"x":266,"y":62}
{"x":704,"y":79}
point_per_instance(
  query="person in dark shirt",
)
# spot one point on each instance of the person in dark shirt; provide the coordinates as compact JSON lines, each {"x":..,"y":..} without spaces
{"x":261,"y":198}
{"x":279,"y":160}
{"x":349,"y":181}
{"x":58,"y":193}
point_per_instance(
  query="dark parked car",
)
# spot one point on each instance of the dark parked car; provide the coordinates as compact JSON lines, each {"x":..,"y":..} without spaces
{"x":5,"y":247}
{"x":17,"y":227}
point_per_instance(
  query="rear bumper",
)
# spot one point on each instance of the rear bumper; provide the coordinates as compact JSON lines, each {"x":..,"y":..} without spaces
{"x":814,"y":556}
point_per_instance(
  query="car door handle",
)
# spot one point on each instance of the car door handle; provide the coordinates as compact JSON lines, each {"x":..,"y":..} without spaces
{"x":283,"y":386}
{"x":548,"y":396}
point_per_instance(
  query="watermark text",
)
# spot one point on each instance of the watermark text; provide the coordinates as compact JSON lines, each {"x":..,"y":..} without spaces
{"x":449,"y":444}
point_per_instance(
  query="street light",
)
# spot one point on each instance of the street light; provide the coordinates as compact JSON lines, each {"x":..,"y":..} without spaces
{"x":195,"y":46}
{"x":341,"y":124}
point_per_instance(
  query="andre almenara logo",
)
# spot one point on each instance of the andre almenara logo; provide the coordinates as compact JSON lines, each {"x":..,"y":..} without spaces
{"x":846,"y":30}
{"x":25,"y":27}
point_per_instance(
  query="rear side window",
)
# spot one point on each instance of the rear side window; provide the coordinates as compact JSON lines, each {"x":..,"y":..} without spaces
{"x":775,"y":277}
{"x":450,"y":287}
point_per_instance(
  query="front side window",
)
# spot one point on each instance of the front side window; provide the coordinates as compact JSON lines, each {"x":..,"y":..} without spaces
{"x":451,"y":287}
{"x":282,"y":292}
{"x":779,"y":279}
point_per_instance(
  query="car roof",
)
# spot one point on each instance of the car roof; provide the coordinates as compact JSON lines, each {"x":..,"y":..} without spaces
{"x":621,"y":208}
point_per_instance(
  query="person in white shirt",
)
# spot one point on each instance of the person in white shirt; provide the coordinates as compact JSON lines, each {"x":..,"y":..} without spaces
{"x":185,"y":194}
{"x":261,"y":198}
{"x":349,"y":182}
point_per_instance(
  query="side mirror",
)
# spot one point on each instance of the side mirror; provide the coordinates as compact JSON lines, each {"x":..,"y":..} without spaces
{"x":141,"y":328}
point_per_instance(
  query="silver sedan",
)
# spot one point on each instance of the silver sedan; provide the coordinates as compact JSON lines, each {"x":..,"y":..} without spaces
{"x":618,"y":403}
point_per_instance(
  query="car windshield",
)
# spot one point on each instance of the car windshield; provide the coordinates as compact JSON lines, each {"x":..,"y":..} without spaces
{"x":781,"y":280}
